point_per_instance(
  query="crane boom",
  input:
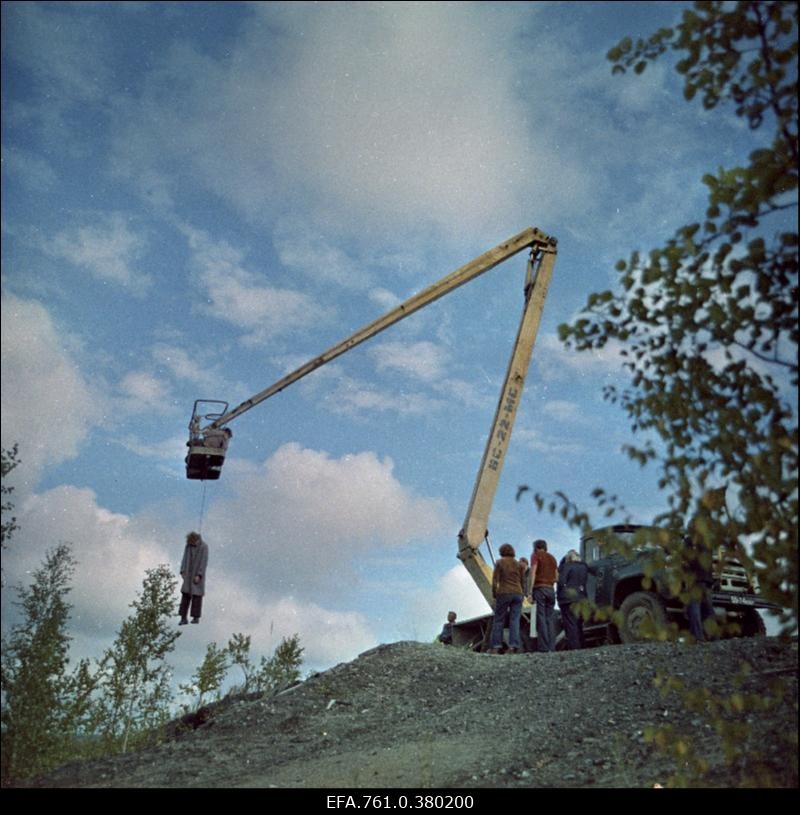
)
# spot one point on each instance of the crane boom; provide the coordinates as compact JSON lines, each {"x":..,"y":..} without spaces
{"x":206,"y":449}
{"x":528,"y":238}
{"x":474,"y":531}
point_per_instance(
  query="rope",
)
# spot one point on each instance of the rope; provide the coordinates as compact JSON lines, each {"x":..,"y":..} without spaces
{"x":202,"y":510}
{"x":489,"y":545}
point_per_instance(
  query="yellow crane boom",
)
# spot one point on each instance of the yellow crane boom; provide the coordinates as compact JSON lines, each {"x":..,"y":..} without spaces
{"x":205,"y":461}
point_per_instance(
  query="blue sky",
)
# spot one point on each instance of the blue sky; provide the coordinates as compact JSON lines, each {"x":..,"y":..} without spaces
{"x":199,"y":197}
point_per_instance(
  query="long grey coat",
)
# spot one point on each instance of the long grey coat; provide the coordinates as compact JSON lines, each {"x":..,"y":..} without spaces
{"x":194,"y":563}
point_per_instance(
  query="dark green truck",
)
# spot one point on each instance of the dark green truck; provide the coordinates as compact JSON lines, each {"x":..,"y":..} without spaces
{"x":616,"y":581}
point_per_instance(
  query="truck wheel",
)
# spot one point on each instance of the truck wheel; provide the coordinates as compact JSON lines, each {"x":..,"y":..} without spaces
{"x":640,"y":611}
{"x":753,"y":624}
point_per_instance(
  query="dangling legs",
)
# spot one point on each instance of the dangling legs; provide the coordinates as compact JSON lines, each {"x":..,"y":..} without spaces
{"x":197,"y":607}
{"x":184,"y":607}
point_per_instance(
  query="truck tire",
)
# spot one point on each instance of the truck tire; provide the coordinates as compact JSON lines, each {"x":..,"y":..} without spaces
{"x":753,"y":624}
{"x":637,"y":609}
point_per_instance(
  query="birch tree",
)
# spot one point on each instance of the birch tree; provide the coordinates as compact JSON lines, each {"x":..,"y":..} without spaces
{"x":37,"y":725}
{"x":135,"y":679}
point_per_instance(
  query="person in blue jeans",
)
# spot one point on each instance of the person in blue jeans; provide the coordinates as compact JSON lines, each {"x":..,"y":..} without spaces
{"x":699,"y":559}
{"x":544,"y":573}
{"x":572,"y":577}
{"x":508,"y":588}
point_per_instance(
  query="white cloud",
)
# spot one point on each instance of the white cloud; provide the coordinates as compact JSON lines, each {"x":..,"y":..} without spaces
{"x":351,"y":396}
{"x":297,"y":522}
{"x":420,"y":360}
{"x":63,"y":51}
{"x":636,"y":92}
{"x":565,"y":411}
{"x":454,"y":591}
{"x":114,"y":552}
{"x":243,"y":298}
{"x":285,"y":549}
{"x":297,"y":126}
{"x":108,"y":250}
{"x":195,"y":367}
{"x":384,"y":298}
{"x":327,"y":636}
{"x":559,"y":363}
{"x":142,"y":391}
{"x":431,"y":141}
{"x":169,"y":452}
{"x":34,"y":171}
{"x":48,"y":405}
{"x":548,"y":444}
{"x":302,"y":247}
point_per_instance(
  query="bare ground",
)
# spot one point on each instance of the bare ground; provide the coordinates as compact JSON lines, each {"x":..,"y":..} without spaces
{"x":412,"y":715}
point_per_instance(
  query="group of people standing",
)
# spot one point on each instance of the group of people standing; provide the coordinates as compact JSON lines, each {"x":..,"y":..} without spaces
{"x":513,"y":580}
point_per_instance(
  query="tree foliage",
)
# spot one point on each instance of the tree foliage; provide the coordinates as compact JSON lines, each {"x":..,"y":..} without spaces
{"x":282,"y":669}
{"x":272,"y":675}
{"x":37,"y":725}
{"x":134,"y":678}
{"x":707,"y":328}
{"x":209,"y":676}
{"x":9,"y":524}
{"x":238,"y":649}
{"x":708,"y":323}
{"x":730,"y":716}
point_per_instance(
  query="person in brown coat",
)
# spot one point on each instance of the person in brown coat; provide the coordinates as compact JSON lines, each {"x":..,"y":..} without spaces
{"x":508,"y":588}
{"x":544,"y":574}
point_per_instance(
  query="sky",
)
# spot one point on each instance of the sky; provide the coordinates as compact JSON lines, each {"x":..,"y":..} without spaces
{"x":199,"y":197}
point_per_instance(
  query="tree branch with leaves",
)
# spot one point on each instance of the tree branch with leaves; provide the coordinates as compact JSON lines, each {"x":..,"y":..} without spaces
{"x":707,"y":323}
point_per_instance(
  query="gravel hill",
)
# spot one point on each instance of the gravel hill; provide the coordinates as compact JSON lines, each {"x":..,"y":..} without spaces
{"x":413,"y":715}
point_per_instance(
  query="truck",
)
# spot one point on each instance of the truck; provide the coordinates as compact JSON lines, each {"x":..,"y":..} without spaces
{"x":625,"y":578}
{"x":208,"y":445}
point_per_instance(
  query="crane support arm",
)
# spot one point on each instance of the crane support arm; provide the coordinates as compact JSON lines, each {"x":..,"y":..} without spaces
{"x":531,"y":237}
{"x":473,"y":533}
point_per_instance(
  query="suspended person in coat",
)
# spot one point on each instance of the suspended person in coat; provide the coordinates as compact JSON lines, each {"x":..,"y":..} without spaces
{"x":193,"y":572}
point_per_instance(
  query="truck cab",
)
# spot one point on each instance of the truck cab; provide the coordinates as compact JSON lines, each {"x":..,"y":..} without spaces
{"x":628,"y":576}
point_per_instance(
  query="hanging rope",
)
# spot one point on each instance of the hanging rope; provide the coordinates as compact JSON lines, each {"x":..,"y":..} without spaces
{"x":202,"y":510}
{"x":489,"y":545}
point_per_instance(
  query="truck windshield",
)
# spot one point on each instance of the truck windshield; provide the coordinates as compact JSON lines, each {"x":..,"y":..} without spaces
{"x":604,"y":542}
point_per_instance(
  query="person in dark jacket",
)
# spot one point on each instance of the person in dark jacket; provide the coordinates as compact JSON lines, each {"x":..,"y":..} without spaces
{"x":193,"y":572}
{"x":572,"y":574}
{"x":446,"y":637}
{"x":701,"y":581}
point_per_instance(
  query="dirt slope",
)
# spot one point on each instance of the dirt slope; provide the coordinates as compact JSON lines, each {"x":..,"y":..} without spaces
{"x":415,"y":715}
